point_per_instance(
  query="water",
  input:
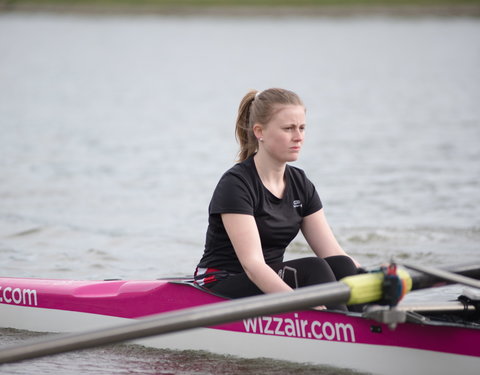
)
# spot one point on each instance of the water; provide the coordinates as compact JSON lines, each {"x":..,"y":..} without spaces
{"x":115,"y":130}
{"x":134,"y":359}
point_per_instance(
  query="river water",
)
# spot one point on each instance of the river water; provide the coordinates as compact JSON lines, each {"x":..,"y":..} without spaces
{"x":115,"y":130}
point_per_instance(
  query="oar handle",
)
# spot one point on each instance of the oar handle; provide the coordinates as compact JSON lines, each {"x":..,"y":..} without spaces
{"x":369,"y":287}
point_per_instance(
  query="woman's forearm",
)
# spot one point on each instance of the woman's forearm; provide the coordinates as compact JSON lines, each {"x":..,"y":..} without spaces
{"x":265,"y":278}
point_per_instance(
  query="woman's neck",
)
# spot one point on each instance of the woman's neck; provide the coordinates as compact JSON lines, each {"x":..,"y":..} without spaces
{"x":272,"y":174}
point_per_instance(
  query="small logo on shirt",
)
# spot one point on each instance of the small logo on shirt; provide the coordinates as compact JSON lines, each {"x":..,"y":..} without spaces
{"x":297,"y":203}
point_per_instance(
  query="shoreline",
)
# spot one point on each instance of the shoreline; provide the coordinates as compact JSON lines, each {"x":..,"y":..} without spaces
{"x":394,"y":10}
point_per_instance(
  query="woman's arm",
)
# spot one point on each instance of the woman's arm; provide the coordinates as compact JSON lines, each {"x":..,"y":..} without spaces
{"x":320,"y":237}
{"x":243,"y":233}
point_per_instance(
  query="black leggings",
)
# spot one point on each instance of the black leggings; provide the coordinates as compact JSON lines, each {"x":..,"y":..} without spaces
{"x":296,"y":273}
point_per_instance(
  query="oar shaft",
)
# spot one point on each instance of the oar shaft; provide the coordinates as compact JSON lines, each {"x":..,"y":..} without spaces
{"x":204,"y":316}
{"x":429,"y":276}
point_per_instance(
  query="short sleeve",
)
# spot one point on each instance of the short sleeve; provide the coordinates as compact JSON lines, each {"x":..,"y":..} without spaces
{"x":314,"y":203}
{"x":232,"y":195}
{"x":306,"y":191}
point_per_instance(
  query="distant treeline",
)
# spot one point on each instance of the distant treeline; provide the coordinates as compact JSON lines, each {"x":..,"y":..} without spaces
{"x":176,"y":3}
{"x":252,"y":7}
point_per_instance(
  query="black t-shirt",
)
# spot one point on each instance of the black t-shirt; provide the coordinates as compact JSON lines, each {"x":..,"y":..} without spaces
{"x":241,"y":191}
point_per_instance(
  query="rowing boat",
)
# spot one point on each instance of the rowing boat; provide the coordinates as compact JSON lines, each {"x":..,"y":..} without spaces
{"x":435,"y":339}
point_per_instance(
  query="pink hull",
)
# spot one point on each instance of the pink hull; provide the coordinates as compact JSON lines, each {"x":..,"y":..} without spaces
{"x":135,"y":299}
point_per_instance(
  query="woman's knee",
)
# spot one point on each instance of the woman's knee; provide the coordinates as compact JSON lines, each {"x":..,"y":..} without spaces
{"x":342,"y":266}
{"x":308,"y":271}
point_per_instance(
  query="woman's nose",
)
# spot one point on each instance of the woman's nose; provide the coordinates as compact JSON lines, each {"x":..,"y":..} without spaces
{"x":298,"y":135}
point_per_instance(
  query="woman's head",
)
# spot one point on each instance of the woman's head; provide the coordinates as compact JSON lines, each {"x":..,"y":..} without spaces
{"x":259,"y":107}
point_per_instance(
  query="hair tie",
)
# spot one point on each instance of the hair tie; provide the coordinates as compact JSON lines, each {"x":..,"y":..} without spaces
{"x":257,"y":94}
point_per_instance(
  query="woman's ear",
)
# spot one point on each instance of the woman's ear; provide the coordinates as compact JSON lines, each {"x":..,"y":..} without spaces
{"x":257,"y":130}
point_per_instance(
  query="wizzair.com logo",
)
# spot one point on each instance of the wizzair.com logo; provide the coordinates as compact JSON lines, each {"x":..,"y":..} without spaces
{"x":309,"y":329}
{"x":18,"y":296}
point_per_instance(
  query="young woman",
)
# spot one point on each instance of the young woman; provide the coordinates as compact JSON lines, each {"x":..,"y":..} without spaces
{"x":261,"y":203}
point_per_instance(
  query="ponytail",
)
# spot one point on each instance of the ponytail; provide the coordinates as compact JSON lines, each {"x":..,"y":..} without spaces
{"x":243,"y":128}
{"x":258,"y":107}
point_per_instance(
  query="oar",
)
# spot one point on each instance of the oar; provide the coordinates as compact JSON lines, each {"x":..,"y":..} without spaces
{"x":466,"y":274}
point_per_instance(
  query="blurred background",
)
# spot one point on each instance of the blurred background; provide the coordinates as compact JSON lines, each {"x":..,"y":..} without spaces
{"x":117,"y":120}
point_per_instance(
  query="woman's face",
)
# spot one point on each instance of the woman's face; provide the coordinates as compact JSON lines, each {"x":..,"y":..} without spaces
{"x":283,"y":135}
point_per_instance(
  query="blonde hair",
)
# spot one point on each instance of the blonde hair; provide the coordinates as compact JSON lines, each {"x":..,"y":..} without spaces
{"x":258,"y":107}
